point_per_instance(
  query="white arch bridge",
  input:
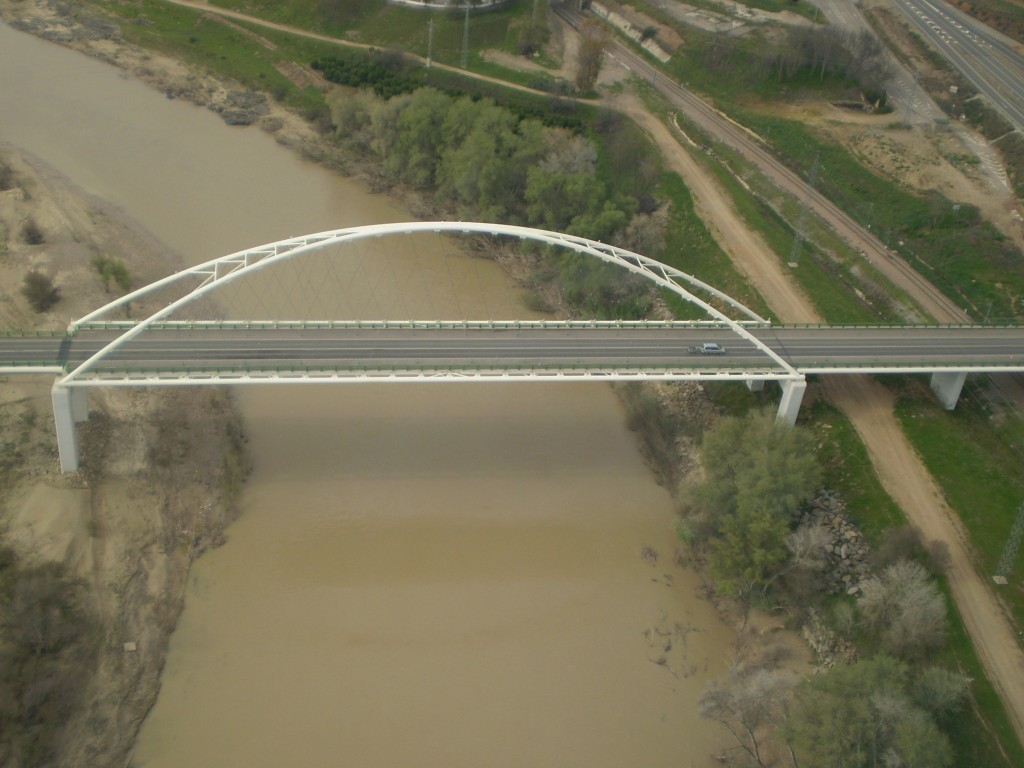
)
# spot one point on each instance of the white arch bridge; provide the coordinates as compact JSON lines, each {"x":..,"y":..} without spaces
{"x":730,"y":342}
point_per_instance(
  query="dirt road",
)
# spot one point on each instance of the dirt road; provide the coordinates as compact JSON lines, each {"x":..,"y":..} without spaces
{"x":869,"y":406}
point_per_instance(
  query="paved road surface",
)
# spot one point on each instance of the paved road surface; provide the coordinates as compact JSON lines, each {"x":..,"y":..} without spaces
{"x":812,"y":349}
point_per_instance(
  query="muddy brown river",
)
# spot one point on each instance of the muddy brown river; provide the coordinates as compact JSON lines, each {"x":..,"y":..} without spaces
{"x":423,"y":574}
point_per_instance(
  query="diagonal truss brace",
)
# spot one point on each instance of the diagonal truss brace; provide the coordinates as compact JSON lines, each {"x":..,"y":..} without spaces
{"x":210,"y":275}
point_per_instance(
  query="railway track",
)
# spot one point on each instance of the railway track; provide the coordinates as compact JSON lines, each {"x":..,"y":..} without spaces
{"x":939,"y":306}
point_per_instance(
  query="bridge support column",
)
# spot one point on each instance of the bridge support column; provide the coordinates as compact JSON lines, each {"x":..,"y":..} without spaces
{"x":792,"y":395}
{"x":755,"y":385}
{"x":70,"y":406}
{"x":947,"y":386}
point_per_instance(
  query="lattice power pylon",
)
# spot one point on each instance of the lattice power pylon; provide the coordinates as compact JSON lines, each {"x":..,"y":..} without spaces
{"x":1012,"y":546}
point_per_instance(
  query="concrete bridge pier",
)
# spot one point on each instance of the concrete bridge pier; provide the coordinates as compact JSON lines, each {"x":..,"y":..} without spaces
{"x":792,"y":395}
{"x":755,"y":385}
{"x":70,"y":406}
{"x":947,"y":385}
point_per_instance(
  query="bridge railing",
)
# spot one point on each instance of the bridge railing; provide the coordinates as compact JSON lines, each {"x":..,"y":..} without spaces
{"x":10,"y":333}
{"x":582,"y":368}
{"x":183,"y":325}
{"x":897,"y":326}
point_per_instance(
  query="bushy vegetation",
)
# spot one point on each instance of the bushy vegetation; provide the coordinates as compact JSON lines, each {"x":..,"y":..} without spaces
{"x":758,"y":474}
{"x":47,"y":643}
{"x":891,"y":707}
{"x":112,"y":269}
{"x":485,"y":162}
{"x":8,"y":180}
{"x":812,"y":58}
{"x":32,"y":233}
{"x":964,"y":255}
{"x":40,"y":291}
{"x":874,"y":712}
{"x":388,"y":74}
{"x":380,"y":70}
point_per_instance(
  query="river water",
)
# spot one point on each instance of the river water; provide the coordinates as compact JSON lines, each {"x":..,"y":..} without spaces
{"x":430,"y":575}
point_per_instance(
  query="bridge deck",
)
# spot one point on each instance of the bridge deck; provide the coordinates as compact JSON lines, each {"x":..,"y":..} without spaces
{"x":665,"y":350}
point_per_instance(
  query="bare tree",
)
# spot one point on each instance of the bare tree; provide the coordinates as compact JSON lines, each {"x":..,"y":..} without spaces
{"x":905,"y":607}
{"x":565,"y":152}
{"x":807,"y":544}
{"x":590,"y":56}
{"x":749,"y":704}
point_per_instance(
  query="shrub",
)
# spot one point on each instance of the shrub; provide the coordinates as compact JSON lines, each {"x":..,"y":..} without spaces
{"x":904,"y":606}
{"x":7,"y":178}
{"x":906,"y":543}
{"x":31,"y":234}
{"x":49,"y":642}
{"x":109,"y":269}
{"x":40,"y":291}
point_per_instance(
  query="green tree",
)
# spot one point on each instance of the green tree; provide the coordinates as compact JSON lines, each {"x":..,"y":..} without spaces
{"x":755,"y":460}
{"x":750,"y":550}
{"x":562,"y":201}
{"x":384,"y":123}
{"x":486,"y":171}
{"x":590,"y":55}
{"x":420,"y":137}
{"x":861,"y":716}
{"x":352,"y":116}
{"x":758,"y":473}
{"x":940,"y":692}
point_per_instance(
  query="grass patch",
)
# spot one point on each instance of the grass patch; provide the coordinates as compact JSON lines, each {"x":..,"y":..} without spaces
{"x":981,"y":734}
{"x":848,"y":470}
{"x":374,"y":22}
{"x":824,"y":280}
{"x":949,"y":243}
{"x":826,"y":276}
{"x":198,"y":39}
{"x":977,"y":465}
{"x":693,"y":250}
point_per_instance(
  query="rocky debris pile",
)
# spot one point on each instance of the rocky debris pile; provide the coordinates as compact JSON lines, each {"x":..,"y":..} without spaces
{"x":66,"y":23}
{"x":846,"y":549}
{"x":240,"y":107}
{"x":685,"y":413}
{"x":828,"y":647}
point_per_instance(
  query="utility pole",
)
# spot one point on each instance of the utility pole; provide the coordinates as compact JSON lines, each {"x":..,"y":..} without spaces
{"x":430,"y":39}
{"x":798,"y":241}
{"x":465,"y":40}
{"x":910,"y":101}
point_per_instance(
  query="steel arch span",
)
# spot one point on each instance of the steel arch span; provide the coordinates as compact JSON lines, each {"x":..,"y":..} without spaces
{"x":70,"y":390}
{"x":206,"y":278}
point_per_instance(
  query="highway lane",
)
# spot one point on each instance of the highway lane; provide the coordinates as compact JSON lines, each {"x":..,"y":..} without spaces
{"x":807,"y":349}
{"x":910,"y":101}
{"x":992,"y":63}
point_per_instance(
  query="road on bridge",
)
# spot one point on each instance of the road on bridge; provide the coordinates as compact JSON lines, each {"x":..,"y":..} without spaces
{"x":504,"y":347}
